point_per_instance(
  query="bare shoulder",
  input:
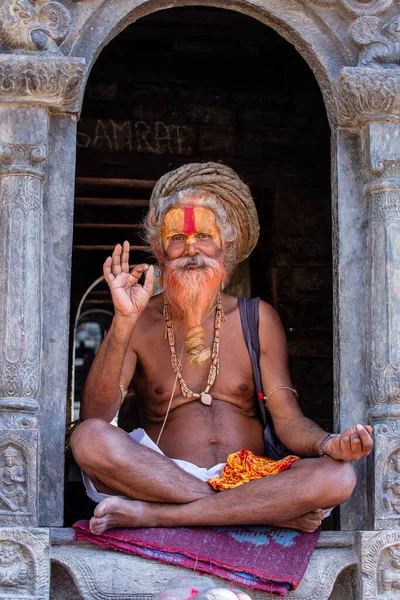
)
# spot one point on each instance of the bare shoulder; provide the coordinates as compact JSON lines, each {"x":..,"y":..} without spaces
{"x":230,"y":304}
{"x":270,"y":327}
{"x":268,"y":314}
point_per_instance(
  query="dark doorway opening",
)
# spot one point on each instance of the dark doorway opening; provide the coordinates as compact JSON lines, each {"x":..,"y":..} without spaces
{"x":196,"y":84}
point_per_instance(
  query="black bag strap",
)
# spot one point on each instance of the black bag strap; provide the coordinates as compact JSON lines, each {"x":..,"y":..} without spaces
{"x":249,"y":316}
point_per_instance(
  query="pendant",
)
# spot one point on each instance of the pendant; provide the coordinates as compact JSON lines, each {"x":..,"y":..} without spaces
{"x":205,"y":398}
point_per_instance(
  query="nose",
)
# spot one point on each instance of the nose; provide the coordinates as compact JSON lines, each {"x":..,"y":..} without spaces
{"x":190,"y":248}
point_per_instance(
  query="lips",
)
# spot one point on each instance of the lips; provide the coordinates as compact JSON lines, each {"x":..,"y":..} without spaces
{"x":192,"y":265}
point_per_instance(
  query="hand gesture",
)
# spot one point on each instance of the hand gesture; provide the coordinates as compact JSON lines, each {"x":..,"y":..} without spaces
{"x":352,"y":444}
{"x":129,"y":298}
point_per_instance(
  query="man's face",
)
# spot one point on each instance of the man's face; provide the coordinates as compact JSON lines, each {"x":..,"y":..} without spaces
{"x":188,"y":231}
{"x":193,"y":265}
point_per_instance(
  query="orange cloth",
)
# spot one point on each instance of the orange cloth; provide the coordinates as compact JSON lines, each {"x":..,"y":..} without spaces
{"x":244,"y":466}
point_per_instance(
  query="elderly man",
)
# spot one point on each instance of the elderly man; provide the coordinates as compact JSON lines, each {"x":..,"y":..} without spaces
{"x":204,"y":365}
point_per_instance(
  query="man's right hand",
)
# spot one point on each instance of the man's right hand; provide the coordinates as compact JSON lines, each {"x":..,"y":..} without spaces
{"x":129,"y":298}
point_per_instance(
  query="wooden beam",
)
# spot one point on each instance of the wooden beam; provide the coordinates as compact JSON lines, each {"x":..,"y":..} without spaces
{"x":108,"y":247}
{"x":109,"y":225}
{"x":135,"y":184}
{"x":93,"y":301}
{"x":132,"y":202}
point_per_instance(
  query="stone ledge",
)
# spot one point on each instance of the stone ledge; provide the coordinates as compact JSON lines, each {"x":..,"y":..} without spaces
{"x":104,"y":574}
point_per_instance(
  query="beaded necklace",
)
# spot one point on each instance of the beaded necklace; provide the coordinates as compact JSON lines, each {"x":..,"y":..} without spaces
{"x":176,"y":364}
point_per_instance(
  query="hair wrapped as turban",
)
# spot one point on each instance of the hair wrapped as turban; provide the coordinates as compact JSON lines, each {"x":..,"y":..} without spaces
{"x":224,"y":183}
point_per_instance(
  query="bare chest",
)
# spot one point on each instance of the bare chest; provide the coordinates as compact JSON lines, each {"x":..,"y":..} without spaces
{"x":155,"y":381}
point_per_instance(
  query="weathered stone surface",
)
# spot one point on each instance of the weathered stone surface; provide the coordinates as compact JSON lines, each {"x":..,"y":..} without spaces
{"x":57,"y":227}
{"x":24,"y":564}
{"x":62,"y":586}
{"x":54,"y":81}
{"x":387,"y":475}
{"x":351,"y":305}
{"x":383,"y":157}
{"x":29,"y":27}
{"x":379,"y":41}
{"x":380,"y":564}
{"x":365,"y":94}
{"x":18,"y":469}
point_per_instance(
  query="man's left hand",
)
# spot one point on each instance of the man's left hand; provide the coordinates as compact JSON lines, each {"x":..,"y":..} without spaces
{"x":352,"y":444}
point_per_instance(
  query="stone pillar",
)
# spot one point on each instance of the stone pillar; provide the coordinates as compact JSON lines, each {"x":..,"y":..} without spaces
{"x":39,"y":99}
{"x":22,"y":159}
{"x":369,"y":103}
{"x":382,"y":147}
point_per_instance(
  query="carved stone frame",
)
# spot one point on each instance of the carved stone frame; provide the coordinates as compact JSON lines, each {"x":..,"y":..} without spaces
{"x":42,"y":82}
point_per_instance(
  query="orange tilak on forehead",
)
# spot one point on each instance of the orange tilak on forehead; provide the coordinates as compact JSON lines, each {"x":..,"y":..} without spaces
{"x":189,"y":221}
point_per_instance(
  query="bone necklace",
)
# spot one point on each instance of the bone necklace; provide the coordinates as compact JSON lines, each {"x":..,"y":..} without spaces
{"x":176,"y":365}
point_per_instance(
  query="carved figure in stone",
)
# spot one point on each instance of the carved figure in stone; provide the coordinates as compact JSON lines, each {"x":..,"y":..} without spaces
{"x":14,"y":568}
{"x":13,"y":495}
{"x":391,"y":495}
{"x":29,"y":25}
{"x":390,"y":575}
{"x":380,"y":43}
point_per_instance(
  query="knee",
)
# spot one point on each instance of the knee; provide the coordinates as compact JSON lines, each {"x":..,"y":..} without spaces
{"x":338,"y":480}
{"x":85,"y":441}
{"x":345,"y":479}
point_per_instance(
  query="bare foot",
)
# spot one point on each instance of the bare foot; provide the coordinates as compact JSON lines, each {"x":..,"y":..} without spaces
{"x":308,"y":522}
{"x":118,"y":512}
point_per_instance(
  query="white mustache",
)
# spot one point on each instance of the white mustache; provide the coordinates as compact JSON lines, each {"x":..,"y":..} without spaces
{"x":202,"y":262}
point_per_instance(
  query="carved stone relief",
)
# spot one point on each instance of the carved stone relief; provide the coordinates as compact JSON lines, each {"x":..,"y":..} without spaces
{"x":24,"y":564}
{"x":387,"y":475}
{"x":21,"y":183}
{"x":22,"y":157}
{"x":365,"y":94}
{"x":355,"y":7}
{"x":13,"y":420}
{"x":389,"y":572}
{"x":18,"y":480}
{"x":13,"y":480}
{"x":379,"y":42}
{"x":391,"y":485}
{"x":385,"y":308}
{"x":380,"y":565}
{"x":27,"y":25}
{"x":16,"y":569}
{"x":51,"y":80}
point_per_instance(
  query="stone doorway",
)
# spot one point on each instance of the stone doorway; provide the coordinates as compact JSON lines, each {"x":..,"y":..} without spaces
{"x":196,"y":84}
{"x":351,"y":46}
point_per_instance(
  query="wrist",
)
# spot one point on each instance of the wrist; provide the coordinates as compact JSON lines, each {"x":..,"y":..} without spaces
{"x":323,"y":443}
{"x":121,"y":329}
{"x":124,"y":322}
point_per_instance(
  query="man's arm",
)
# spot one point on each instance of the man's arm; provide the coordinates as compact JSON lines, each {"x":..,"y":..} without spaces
{"x":299,"y":434}
{"x":115,"y":361}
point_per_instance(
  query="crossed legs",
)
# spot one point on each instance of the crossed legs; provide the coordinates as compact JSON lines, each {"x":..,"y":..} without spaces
{"x":165,"y":496}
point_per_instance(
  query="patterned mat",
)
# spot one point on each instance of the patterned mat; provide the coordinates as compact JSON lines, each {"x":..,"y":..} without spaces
{"x":263,"y":558}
